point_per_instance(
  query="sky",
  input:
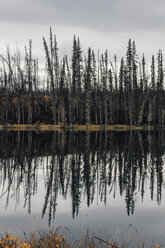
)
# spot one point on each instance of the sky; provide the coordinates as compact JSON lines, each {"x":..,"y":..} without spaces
{"x":101,"y":24}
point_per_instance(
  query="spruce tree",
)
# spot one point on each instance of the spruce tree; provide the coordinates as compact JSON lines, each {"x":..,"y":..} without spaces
{"x":88,"y":88}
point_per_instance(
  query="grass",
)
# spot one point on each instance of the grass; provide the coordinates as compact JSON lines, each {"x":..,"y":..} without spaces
{"x":87,"y":127}
{"x":53,"y":239}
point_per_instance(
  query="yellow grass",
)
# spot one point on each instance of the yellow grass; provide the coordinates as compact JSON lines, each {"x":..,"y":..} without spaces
{"x":59,"y":127}
{"x":55,"y":240}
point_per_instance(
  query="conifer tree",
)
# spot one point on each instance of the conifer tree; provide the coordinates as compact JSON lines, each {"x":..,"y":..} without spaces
{"x":129,"y":80}
{"x":88,"y":87}
{"x":159,"y":94}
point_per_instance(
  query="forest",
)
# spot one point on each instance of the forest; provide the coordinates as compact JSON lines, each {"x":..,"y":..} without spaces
{"x":90,"y":88}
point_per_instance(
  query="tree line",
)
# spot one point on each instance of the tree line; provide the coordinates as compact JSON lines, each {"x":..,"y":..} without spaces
{"x":92,"y":88}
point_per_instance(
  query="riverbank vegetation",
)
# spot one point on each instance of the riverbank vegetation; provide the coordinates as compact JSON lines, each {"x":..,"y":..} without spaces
{"x":53,"y":239}
{"x":90,"y":88}
{"x":40,"y":127}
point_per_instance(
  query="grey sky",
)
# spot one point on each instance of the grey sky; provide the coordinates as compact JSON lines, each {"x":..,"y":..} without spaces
{"x":99,"y":23}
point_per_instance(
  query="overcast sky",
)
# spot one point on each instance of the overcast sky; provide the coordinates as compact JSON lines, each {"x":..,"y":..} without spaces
{"x":100,"y":24}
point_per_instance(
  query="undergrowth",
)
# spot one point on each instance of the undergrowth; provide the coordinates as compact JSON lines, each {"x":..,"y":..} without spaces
{"x":53,"y":239}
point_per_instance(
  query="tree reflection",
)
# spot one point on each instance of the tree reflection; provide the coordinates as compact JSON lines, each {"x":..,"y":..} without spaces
{"x":94,"y":166}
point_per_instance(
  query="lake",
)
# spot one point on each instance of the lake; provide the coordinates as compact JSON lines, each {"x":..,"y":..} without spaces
{"x":105,"y":183}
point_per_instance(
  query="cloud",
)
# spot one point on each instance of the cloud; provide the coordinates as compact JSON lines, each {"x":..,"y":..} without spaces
{"x":100,"y":24}
{"x":105,"y":15}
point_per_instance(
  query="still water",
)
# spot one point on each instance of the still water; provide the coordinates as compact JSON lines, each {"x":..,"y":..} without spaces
{"x":110,"y":183}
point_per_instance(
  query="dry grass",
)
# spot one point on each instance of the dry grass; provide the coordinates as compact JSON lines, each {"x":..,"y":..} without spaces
{"x":53,"y":239}
{"x":60,"y":126}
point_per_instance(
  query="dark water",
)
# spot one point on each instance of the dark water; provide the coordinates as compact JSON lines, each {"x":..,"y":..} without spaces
{"x":108,"y":182}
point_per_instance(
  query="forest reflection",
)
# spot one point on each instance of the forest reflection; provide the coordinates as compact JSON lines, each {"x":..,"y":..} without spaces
{"x":81,"y":165}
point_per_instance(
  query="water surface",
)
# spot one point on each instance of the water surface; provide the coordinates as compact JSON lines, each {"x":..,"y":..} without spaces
{"x":108,"y":182}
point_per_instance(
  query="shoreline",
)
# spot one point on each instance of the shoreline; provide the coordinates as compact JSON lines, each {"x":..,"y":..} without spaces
{"x":76,"y":127}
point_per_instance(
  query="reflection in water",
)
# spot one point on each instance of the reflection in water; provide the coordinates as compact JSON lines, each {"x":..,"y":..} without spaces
{"x":83,"y":165}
